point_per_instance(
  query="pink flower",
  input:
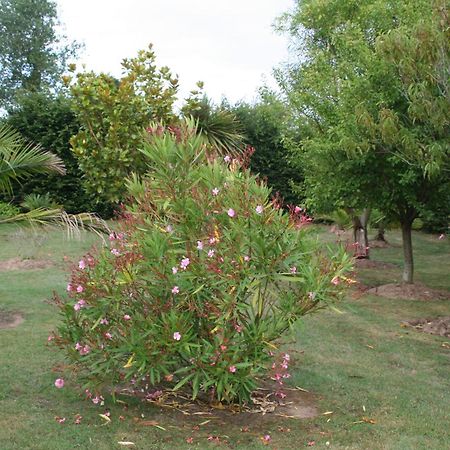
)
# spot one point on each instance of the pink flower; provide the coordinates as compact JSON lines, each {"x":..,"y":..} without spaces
{"x":442,"y":236}
{"x":104,"y":322}
{"x":174,"y":270}
{"x":298,"y":210}
{"x":175,"y":290}
{"x":266,"y":438}
{"x":78,"y":346}
{"x":96,"y":400}
{"x":227,"y":158}
{"x":169,"y":228}
{"x":284,"y":365}
{"x":115,"y":252}
{"x":112,"y":236}
{"x":259,"y":209}
{"x":199,"y":245}
{"x":85,"y":350}
{"x":231,"y":212}
{"x":293,"y":269}
{"x":50,"y":338}
{"x":81,"y":264}
{"x":238,"y":328}
{"x":80,"y":289}
{"x":59,"y":383}
{"x":69,"y":287}
{"x":335,"y":281}
{"x":212,"y":241}
{"x":108,"y":336}
{"x":246,"y":258}
{"x":184,"y":263}
{"x":215,"y":191}
{"x":286,"y":357}
{"x":232,"y":369}
{"x":211,"y":253}
{"x":79,"y":304}
{"x":126,"y":317}
{"x":311,"y":295}
{"x":176,"y":336}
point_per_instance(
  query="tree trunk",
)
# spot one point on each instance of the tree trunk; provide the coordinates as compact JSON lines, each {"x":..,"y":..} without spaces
{"x":408,"y":263}
{"x":360,"y":236}
{"x":380,"y":233}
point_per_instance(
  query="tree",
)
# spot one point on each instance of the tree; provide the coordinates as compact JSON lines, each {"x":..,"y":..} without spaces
{"x":219,"y":126}
{"x":49,"y":121}
{"x":32,"y":53}
{"x":263,"y":125}
{"x":113,"y":114}
{"x":374,"y":121}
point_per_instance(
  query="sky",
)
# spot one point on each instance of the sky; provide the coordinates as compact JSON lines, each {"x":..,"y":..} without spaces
{"x":229,"y":45}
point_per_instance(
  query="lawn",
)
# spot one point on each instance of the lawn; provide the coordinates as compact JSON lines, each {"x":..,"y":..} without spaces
{"x":377,"y":385}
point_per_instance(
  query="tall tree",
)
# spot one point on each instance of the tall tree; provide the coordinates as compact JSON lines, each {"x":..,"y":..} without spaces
{"x":263,"y":124}
{"x":33,"y":54}
{"x":370,"y":94}
{"x":113,"y":114}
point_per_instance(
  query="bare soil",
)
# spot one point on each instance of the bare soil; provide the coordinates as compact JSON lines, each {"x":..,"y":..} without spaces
{"x":414,"y":291}
{"x":24,"y":264}
{"x":10,"y":319}
{"x":266,"y":408}
{"x":439,"y":326}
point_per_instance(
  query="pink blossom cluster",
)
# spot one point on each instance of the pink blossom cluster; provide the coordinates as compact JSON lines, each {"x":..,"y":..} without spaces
{"x":281,"y":373}
{"x":82,"y":349}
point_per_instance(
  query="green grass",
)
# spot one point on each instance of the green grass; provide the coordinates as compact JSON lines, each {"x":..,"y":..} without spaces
{"x":360,"y":364}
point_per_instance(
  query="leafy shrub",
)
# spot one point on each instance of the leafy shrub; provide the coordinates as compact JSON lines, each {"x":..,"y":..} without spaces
{"x":7,"y":210}
{"x":200,"y":284}
{"x":36,"y":201}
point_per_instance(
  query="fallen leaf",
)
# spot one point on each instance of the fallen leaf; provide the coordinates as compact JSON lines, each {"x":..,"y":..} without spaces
{"x":105,"y":418}
{"x":327,"y":413}
{"x":126,"y":443}
{"x":368,"y":420}
{"x":204,"y":423}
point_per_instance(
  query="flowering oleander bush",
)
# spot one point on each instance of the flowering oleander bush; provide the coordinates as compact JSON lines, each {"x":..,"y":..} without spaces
{"x":202,"y":281}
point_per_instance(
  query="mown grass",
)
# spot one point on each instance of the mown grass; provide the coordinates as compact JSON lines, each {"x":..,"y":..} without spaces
{"x":362,"y":366}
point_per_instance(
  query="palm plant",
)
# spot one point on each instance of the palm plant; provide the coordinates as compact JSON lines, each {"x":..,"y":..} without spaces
{"x":20,"y":159}
{"x":220,"y":127}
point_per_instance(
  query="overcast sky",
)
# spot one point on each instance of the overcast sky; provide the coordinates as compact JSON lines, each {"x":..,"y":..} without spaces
{"x":230,"y":45}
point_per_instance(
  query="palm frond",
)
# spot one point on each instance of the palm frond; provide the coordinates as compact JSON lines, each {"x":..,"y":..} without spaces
{"x":72,"y":223}
{"x":20,"y":159}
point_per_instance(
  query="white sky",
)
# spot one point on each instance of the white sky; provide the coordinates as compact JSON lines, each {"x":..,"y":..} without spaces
{"x":228,"y":44}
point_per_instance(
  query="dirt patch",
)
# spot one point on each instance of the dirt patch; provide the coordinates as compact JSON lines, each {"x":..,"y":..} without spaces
{"x":371,"y":264}
{"x":24,"y":264}
{"x":414,"y":291}
{"x":10,"y":319}
{"x":379,"y":244}
{"x":266,"y":407}
{"x":439,"y":326}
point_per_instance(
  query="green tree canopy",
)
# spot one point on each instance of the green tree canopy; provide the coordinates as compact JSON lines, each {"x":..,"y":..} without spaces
{"x":370,"y":96}
{"x":113,"y":113}
{"x":33,"y":54}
